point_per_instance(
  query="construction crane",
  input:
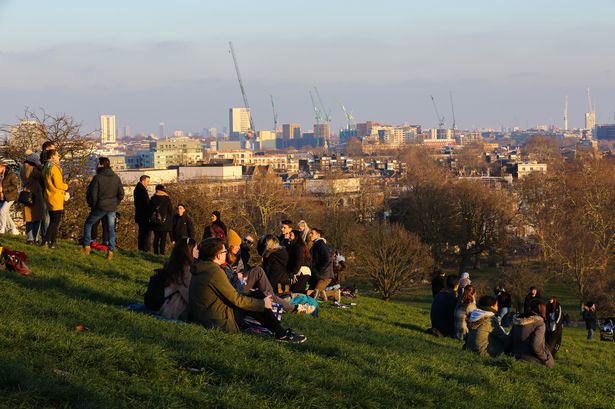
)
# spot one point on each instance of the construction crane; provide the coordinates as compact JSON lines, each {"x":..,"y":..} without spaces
{"x":440,"y":118}
{"x":275,"y":115}
{"x":325,"y":111}
{"x":250,"y":132}
{"x":348,"y":115}
{"x":317,"y":112}
{"x":450,"y":95}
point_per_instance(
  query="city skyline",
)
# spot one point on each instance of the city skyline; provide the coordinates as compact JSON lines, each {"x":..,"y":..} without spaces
{"x":506,"y":65}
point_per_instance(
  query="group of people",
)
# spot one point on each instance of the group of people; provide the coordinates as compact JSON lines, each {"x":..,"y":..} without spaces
{"x":535,"y":334}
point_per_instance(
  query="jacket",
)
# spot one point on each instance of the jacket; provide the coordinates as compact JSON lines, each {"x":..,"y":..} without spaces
{"x":322,"y":264}
{"x":528,"y":340}
{"x":590,"y":319}
{"x":297,"y":258}
{"x":141,"y":200}
{"x":443,"y":312}
{"x":10,"y":185}
{"x":461,"y":313}
{"x":162,"y":201}
{"x":212,"y":301}
{"x":485,"y":334}
{"x":437,"y":284}
{"x":105,"y":191}
{"x":32,"y":181}
{"x":554,"y":317}
{"x":54,"y":186}
{"x":274,"y":264}
{"x":176,"y":297}
{"x":182,"y":227}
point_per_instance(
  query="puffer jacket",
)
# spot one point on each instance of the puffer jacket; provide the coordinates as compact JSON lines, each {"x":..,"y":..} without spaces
{"x":485,"y":334}
{"x":105,"y":191}
{"x":528,"y":340}
{"x":10,"y":185}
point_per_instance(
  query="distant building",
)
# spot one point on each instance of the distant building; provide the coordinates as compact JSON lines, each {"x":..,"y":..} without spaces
{"x":605,"y":132}
{"x":291,"y":131}
{"x":239,"y":122}
{"x":107,"y":129}
{"x":525,"y":168}
{"x":161,"y":131}
{"x":322,"y":132}
{"x":180,"y":151}
{"x":32,"y":133}
{"x":211,"y":171}
{"x":590,"y":121}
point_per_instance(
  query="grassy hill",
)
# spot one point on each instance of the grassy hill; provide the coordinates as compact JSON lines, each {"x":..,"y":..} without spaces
{"x":374,"y":355}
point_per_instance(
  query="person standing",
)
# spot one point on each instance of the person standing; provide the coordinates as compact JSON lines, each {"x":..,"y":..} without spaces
{"x":322,"y":263}
{"x":104,"y":194}
{"x":55,"y":194}
{"x":43,"y":159}
{"x":32,"y":181}
{"x":555,"y":326}
{"x":182,"y":225}
{"x":9,"y":192}
{"x":161,"y":218}
{"x":142,"y":212}
{"x":442,"y":311}
{"x":284,"y":237}
{"x":589,"y":316}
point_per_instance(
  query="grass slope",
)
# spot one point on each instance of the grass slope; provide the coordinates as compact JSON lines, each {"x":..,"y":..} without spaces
{"x":375,"y":355}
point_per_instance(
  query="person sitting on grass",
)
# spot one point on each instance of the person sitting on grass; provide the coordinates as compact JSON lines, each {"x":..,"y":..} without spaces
{"x":486,"y":336}
{"x":177,"y":279}
{"x":528,"y":335}
{"x":214,"y":303}
{"x":466,"y":305}
{"x":443,"y":308}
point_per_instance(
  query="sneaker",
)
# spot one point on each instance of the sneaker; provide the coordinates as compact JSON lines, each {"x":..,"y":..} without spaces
{"x":292,"y":337}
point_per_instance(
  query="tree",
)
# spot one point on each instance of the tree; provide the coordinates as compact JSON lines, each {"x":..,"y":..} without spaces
{"x":393,"y":258}
{"x":542,"y":149}
{"x":264,"y":203}
{"x":471,"y":159}
{"x":354,"y":147}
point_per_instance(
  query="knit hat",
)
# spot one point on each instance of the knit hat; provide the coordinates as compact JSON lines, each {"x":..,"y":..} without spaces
{"x":217,"y":214}
{"x":233,"y":238}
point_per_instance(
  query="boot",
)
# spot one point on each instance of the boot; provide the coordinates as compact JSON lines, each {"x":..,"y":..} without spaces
{"x":85,"y":250}
{"x":109,"y":255}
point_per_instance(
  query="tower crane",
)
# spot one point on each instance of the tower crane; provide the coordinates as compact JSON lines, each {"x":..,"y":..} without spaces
{"x":275,"y":115}
{"x":440,"y":118}
{"x":450,"y":94}
{"x":325,"y":111}
{"x":250,"y":132}
{"x":348,"y":115}
{"x":317,"y":113}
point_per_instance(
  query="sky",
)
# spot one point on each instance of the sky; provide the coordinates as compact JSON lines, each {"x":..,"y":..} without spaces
{"x":506,"y":63}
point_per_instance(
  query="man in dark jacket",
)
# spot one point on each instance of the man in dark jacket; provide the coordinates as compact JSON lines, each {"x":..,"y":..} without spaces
{"x":182,"y":225}
{"x":142,"y":212}
{"x":438,"y":282}
{"x":443,"y":308}
{"x":104,"y":194}
{"x":322,"y":263}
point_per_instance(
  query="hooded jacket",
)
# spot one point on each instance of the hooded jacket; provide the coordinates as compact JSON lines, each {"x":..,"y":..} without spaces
{"x":212,"y":300}
{"x":528,"y":340}
{"x":10,"y":185}
{"x":105,"y":191}
{"x":485,"y":334}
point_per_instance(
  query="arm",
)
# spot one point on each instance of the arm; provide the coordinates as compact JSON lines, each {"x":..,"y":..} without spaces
{"x":92,"y":193}
{"x":173,"y":238}
{"x":56,"y":179}
{"x":224,"y":290}
{"x":538,"y":344}
{"x":191,"y":232}
{"x":120,"y":190}
{"x":498,"y":331}
{"x":323,"y":257}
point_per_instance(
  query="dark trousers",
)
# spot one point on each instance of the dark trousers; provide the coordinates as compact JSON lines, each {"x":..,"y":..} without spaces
{"x":553,"y":340}
{"x":265,"y":317}
{"x":55,"y":216}
{"x":160,"y":241}
{"x":143,"y":238}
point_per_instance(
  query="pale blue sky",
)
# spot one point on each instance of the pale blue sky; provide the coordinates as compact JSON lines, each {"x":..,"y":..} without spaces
{"x":507,"y":63}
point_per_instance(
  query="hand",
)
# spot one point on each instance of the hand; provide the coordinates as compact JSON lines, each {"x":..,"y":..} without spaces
{"x":240,"y":276}
{"x":268,"y":302}
{"x":173,"y":243}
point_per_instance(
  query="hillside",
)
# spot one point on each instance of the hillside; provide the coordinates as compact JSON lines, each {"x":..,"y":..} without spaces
{"x":373,"y":355}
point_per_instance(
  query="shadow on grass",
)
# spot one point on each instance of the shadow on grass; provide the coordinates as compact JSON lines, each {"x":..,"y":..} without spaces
{"x":413,"y":327}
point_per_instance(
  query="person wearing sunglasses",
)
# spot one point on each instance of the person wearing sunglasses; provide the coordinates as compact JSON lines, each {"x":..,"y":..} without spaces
{"x":214,"y":303}
{"x":246,"y":245}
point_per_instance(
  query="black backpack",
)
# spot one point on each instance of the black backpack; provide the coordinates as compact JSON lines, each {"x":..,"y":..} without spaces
{"x":156,"y":218}
{"x":154,"y":295}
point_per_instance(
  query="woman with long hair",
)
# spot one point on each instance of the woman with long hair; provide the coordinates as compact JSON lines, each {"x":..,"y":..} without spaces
{"x":298,"y":267}
{"x":464,"y":307}
{"x":55,"y":194}
{"x":176,"y":273}
{"x":528,"y":335}
{"x":275,"y":259}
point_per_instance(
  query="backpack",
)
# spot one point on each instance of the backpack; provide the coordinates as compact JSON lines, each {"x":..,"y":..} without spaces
{"x":156,"y":218}
{"x":154,"y":295}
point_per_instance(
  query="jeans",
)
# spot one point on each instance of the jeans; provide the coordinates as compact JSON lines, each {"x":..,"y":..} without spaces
{"x":94,"y":216}
{"x":33,"y":230}
{"x":590,"y":334}
{"x":6,"y":222}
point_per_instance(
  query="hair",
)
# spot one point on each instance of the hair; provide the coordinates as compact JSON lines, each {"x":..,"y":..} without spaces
{"x":49,"y":153}
{"x":271,"y":242}
{"x":298,"y":241}
{"x":104,"y":162}
{"x":487,"y":301}
{"x":532,"y":288}
{"x":452,"y":281}
{"x":161,"y":188}
{"x":210,"y":247}
{"x":46,"y":145}
{"x":261,"y":245}
{"x":143,"y":177}
{"x":319,"y":231}
{"x":180,"y":257}
{"x":554,"y":298}
{"x":468,"y":294}
{"x":539,"y":308}
{"x":287,"y":222}
{"x":181,"y":204}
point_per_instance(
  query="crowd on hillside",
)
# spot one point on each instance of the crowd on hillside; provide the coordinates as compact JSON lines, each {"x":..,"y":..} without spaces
{"x":488,"y":326}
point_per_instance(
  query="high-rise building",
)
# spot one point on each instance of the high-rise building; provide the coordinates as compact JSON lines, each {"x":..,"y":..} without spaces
{"x":590,"y":121}
{"x":161,"y":131}
{"x":107,"y":129}
{"x":321,"y":133}
{"x":291,"y":131}
{"x":239,"y":122}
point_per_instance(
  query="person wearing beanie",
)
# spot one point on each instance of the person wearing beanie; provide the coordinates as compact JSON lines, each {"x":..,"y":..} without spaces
{"x":183,"y":226}
{"x":463,"y":282}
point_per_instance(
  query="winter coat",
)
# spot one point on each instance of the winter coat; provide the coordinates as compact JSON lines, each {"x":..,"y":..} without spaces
{"x":10,"y":185}
{"x":461,"y":313}
{"x":322,"y":263}
{"x":274,"y":264}
{"x":32,"y":181}
{"x":297,"y":258}
{"x":213,"y":302}
{"x":528,"y":300}
{"x":443,"y":312}
{"x":141,"y":200}
{"x":437,"y":284}
{"x":485,"y":334}
{"x":528,"y":340}
{"x":105,"y":191}
{"x":504,"y":300}
{"x":162,"y":201}
{"x":284,"y":241}
{"x":554,"y":317}
{"x":176,"y":297}
{"x":590,"y":319}
{"x":55,"y":188}
{"x":182,"y":227}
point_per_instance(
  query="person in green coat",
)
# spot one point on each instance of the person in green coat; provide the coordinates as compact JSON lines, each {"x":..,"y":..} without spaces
{"x":486,"y":336}
{"x":214,"y":303}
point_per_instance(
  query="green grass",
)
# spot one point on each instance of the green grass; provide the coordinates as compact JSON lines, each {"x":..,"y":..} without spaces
{"x":374,"y":355}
